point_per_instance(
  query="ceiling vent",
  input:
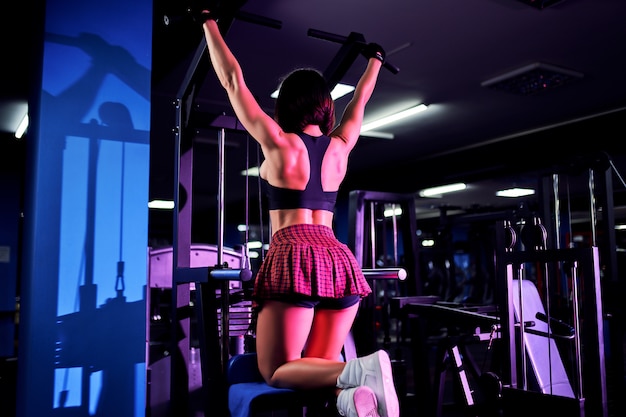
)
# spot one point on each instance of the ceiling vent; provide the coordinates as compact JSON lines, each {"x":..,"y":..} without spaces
{"x":532,"y":79}
{"x":540,"y":4}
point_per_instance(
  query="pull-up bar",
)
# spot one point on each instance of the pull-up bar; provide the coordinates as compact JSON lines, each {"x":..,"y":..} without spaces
{"x":352,"y":46}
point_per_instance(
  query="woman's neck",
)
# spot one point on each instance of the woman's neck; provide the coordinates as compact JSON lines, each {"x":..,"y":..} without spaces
{"x":312,"y":130}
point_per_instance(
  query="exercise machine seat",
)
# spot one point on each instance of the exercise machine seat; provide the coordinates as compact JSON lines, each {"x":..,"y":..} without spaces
{"x":249,"y":395}
{"x":246,"y":387}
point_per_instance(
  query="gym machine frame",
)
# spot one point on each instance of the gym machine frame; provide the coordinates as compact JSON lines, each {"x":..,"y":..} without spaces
{"x":582,"y":266}
{"x":182,"y":274}
{"x":581,"y":263}
{"x":362,"y":205}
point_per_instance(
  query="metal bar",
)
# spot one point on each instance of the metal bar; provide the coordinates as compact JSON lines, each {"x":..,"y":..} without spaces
{"x":354,"y":40}
{"x":385,"y":273}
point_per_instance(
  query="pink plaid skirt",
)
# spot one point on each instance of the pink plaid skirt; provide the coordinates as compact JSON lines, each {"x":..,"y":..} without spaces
{"x":308,"y":259}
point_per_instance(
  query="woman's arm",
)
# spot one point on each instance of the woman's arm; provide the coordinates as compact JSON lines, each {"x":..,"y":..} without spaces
{"x":258,"y":123}
{"x":349,"y":127}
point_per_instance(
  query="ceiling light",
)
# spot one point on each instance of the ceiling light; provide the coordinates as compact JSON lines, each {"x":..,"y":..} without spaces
{"x":339,"y":91}
{"x":379,"y":135}
{"x":396,"y":211}
{"x":255,"y":244}
{"x":161,"y":204}
{"x":21,"y":129}
{"x":442,"y":189}
{"x":394,"y":117}
{"x":251,"y":172}
{"x":515,"y":192}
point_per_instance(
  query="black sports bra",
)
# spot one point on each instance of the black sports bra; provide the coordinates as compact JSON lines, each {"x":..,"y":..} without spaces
{"x":313,"y":196}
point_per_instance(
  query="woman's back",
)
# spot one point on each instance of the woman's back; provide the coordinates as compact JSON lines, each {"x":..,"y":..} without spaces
{"x":301,"y":181}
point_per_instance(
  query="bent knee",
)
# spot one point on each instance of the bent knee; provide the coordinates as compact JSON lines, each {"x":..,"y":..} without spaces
{"x":271,"y":380}
{"x":267,"y":374}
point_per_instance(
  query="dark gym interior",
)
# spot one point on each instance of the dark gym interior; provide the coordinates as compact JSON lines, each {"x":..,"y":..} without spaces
{"x":509,"y":306}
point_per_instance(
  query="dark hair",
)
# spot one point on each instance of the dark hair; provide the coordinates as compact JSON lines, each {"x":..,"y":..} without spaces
{"x":304,"y":99}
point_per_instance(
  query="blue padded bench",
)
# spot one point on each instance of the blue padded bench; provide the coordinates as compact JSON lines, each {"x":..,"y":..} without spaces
{"x":250,"y":396}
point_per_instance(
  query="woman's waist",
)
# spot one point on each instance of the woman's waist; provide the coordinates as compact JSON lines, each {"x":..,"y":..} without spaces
{"x":283,"y":218}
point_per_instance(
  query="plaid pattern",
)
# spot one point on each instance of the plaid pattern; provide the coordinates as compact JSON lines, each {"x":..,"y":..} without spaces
{"x":308,"y":259}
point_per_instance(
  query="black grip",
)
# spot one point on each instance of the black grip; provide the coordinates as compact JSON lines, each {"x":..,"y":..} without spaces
{"x":327,"y":36}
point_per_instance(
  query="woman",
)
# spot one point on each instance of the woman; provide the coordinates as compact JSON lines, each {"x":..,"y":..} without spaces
{"x":308,"y":288}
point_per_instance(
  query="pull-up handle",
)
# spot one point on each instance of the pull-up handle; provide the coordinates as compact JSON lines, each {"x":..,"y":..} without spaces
{"x":385,"y":273}
{"x":231,"y":274}
{"x":224,"y":14}
{"x":314,"y":33}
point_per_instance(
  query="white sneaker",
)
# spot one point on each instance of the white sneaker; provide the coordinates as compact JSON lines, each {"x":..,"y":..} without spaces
{"x":373,"y":371}
{"x":357,"y":402}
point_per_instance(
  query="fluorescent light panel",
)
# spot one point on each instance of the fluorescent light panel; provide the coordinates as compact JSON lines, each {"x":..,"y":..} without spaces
{"x":255,"y":244}
{"x":394,"y":117}
{"x":339,"y":91}
{"x":161,"y":204}
{"x":251,"y":172}
{"x":442,"y":189}
{"x":397,"y":211}
{"x":21,"y":129}
{"x":515,"y":192}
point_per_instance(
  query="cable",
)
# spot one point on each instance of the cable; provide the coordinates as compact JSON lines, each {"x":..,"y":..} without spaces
{"x":617,"y":172}
{"x":246,"y":239}
{"x":260,"y":199}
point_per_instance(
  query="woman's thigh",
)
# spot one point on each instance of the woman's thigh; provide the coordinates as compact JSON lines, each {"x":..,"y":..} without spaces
{"x":282,"y":330}
{"x":329,"y":331}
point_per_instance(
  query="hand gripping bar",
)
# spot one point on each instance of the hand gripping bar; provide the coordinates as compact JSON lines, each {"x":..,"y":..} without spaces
{"x":314,"y":33}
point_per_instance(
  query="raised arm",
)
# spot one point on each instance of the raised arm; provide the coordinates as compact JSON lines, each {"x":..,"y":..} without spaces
{"x":259,"y":124}
{"x":349,"y":126}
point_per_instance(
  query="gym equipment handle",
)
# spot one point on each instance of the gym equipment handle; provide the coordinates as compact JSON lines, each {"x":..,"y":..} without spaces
{"x":558,"y":326}
{"x":314,"y":33}
{"x":385,"y":273}
{"x":231,"y":274}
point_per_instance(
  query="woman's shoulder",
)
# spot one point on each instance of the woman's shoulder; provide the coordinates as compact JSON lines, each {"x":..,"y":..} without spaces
{"x":338,"y":141}
{"x":283,"y":141}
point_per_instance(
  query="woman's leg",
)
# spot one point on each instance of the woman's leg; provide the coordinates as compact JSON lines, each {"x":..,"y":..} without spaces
{"x":281,"y":335}
{"x":329,"y":331}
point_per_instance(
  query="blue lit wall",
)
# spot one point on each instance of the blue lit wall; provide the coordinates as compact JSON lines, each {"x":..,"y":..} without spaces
{"x":83,"y":313}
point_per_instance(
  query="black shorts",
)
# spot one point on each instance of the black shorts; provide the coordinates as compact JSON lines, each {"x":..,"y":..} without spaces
{"x":327,"y":303}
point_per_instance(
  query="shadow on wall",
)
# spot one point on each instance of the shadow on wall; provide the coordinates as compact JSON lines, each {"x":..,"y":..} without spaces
{"x":83,"y":320}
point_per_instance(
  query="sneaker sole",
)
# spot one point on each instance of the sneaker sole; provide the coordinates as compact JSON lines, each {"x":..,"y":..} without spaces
{"x":389,"y":406}
{"x":365,"y":402}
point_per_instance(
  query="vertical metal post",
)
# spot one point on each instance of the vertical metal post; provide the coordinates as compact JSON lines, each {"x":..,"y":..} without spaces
{"x":225,"y":286}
